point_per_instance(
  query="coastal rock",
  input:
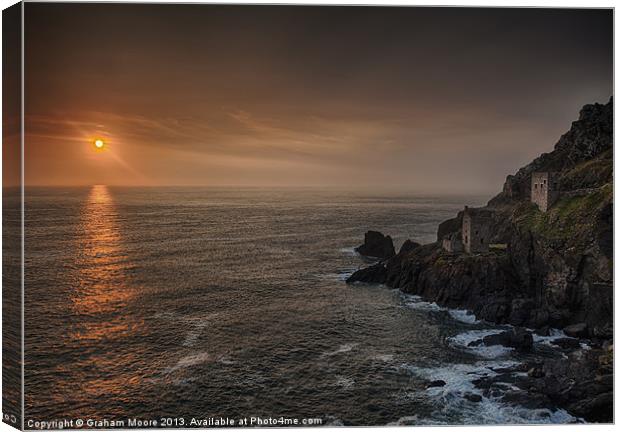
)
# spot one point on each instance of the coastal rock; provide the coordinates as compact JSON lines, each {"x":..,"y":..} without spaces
{"x":378,"y":273}
{"x":594,"y":409}
{"x":374,"y":274}
{"x":456,"y":280}
{"x":517,"y":338}
{"x":536,"y":372}
{"x":408,"y":246}
{"x":520,"y":311}
{"x":376,"y":245}
{"x":566,"y":343}
{"x":436,"y":383}
{"x":449,"y":226}
{"x":473,"y":397}
{"x":576,"y":330}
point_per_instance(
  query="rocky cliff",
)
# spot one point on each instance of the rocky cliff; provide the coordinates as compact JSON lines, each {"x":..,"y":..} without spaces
{"x":554,"y":269}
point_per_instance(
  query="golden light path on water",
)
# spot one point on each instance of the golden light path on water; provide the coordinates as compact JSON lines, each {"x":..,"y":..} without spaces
{"x":102,"y":294}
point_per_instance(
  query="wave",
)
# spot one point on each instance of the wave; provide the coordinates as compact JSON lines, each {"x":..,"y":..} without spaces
{"x":454,"y":407}
{"x":350,"y":251}
{"x":344,"y":382}
{"x":344,"y":348}
{"x":191,"y":360}
{"x":418,"y":303}
{"x":464,"y":316}
{"x":462,"y":341}
{"x":385,"y":358}
{"x":345,"y":274}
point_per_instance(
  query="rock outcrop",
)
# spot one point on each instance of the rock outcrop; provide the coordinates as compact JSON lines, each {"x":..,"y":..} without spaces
{"x":374,"y":274}
{"x":581,"y":382}
{"x":376,"y":245}
{"x":517,"y":338}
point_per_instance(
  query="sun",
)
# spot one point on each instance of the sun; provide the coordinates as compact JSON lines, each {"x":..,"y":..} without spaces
{"x":99,"y":144}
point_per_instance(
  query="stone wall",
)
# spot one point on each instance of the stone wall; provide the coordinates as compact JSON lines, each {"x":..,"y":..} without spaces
{"x":543,"y":190}
{"x":476,"y":230}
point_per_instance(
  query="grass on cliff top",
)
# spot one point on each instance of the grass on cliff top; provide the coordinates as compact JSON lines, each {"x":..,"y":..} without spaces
{"x":592,"y":173}
{"x":569,"y":219}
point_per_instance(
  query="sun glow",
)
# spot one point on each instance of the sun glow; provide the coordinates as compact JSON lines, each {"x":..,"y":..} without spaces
{"x":99,"y":144}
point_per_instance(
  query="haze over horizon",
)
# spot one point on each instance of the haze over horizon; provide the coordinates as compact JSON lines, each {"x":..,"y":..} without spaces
{"x":419,"y":99}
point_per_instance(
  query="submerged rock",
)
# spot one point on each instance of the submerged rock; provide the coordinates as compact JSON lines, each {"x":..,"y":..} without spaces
{"x":566,"y":343}
{"x":436,"y":383}
{"x":473,"y":397}
{"x":377,"y":245}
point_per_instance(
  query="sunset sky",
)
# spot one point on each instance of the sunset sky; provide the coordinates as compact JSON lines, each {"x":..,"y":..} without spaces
{"x":422,"y":99}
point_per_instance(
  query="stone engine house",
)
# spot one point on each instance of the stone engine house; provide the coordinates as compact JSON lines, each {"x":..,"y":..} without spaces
{"x":476,"y":231}
{"x":452,"y":242}
{"x":544,"y":191}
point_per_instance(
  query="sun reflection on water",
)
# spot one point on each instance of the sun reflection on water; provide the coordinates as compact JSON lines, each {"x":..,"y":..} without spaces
{"x":102,"y":298}
{"x":102,"y":285}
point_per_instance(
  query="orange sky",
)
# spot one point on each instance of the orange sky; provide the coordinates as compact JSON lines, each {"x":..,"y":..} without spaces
{"x":440,"y":100}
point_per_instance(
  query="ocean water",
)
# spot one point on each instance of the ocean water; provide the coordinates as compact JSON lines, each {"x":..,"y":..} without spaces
{"x":200,"y":302}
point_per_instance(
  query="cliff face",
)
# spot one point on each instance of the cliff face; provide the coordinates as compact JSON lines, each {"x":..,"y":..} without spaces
{"x":556,"y":269}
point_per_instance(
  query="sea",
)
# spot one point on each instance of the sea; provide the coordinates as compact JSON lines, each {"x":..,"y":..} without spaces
{"x":172,"y":304}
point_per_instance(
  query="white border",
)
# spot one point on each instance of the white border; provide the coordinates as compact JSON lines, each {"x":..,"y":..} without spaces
{"x":478,"y":3}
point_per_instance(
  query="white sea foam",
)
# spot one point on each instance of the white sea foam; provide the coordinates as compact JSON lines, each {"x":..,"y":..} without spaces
{"x":344,"y":274}
{"x":409,"y":421}
{"x":193,"y":334}
{"x":416,"y":302}
{"x":344,"y":348}
{"x":350,"y":251}
{"x":191,"y":360}
{"x":226,"y":360}
{"x":198,"y":324}
{"x":333,"y":421}
{"x":386,"y":358}
{"x":463,"y":340}
{"x":345,"y":382}
{"x":463,"y":316}
{"x":454,"y":408}
{"x":556,"y":334}
{"x":546,"y":340}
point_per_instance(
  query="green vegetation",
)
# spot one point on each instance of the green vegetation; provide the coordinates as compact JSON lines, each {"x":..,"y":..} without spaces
{"x":592,"y":173}
{"x":571,"y":218}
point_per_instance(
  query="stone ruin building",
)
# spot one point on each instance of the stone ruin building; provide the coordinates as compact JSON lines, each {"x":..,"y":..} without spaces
{"x":544,"y":190}
{"x":476,"y":231}
{"x":474,"y":235}
{"x":452,"y":242}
